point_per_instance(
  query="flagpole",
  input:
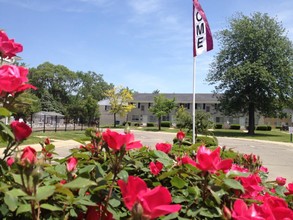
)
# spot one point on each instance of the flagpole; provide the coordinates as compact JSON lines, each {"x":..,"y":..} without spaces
{"x":193,"y":100}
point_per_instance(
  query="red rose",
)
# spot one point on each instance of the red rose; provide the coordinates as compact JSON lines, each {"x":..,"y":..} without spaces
{"x":116,"y":140}
{"x":153,"y":202}
{"x":165,"y":147}
{"x":156,"y":168}
{"x":10,"y":161}
{"x":12,"y":78}
{"x":20,"y":130}
{"x":29,"y":155}
{"x":208,"y":160}
{"x":8,"y":48}
{"x":180,"y":135}
{"x":71,"y":164}
{"x":281,"y":181}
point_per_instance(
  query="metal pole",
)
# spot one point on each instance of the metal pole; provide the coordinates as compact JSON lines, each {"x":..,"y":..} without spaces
{"x":55,"y":123}
{"x":44,"y":127}
{"x":193,"y":101}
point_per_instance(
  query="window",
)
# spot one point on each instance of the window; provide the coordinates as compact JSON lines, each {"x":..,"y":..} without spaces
{"x":150,"y":104}
{"x":135,"y":118}
{"x":208,"y":109}
{"x":107,"y":107}
{"x":203,"y":106}
{"x":138,"y":105}
{"x":142,"y":107}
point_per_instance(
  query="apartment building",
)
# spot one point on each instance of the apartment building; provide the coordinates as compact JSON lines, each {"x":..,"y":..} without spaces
{"x":143,"y":101}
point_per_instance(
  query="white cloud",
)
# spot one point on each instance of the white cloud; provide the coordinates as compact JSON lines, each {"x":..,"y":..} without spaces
{"x":145,"y":6}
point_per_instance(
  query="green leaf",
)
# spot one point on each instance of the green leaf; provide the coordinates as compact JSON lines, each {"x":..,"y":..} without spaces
{"x":80,"y":182}
{"x":114,"y":202}
{"x":123,"y":174}
{"x":50,"y":207}
{"x":234,"y":184}
{"x":163,"y":158}
{"x":23,"y":208}
{"x":17,"y":178}
{"x":178,"y":182}
{"x":50,"y":147}
{"x":86,"y":169}
{"x":44,"y":192}
{"x":235,"y":173}
{"x":168,"y":174}
{"x":4,"y":112}
{"x":11,"y":201}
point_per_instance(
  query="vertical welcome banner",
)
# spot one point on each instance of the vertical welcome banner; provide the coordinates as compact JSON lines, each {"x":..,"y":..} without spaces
{"x":202,"y":42}
{"x":202,"y":36}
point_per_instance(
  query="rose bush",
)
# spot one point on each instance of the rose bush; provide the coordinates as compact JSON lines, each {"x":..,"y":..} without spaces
{"x":115,"y":177}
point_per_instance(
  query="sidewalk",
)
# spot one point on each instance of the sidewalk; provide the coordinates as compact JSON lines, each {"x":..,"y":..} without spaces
{"x":62,"y":148}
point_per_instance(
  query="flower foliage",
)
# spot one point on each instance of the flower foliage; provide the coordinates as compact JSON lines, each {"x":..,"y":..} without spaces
{"x":114,"y":177}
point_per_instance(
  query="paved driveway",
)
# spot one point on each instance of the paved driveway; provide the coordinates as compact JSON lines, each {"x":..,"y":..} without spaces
{"x":277,"y":157}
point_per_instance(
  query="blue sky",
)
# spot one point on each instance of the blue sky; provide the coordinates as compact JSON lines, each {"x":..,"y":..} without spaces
{"x":143,"y":44}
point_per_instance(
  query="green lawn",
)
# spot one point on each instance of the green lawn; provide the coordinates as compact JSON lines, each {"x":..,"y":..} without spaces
{"x":37,"y":137}
{"x":273,"y":135}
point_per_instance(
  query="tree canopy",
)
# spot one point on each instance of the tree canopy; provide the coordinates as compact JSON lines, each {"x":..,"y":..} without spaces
{"x":74,"y":94}
{"x":120,"y":99}
{"x":162,"y":107}
{"x":253,"y":69}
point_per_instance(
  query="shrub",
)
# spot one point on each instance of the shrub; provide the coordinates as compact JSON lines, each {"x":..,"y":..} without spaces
{"x":136,"y":124}
{"x":150,"y":124}
{"x":235,"y":126}
{"x":264,"y":128}
{"x":207,"y":141}
{"x":166,"y":124}
{"x":126,"y":122}
{"x":218,"y":126}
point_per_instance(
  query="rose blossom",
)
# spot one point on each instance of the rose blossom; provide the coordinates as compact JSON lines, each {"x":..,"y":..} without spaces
{"x":8,"y":48}
{"x":10,"y":161}
{"x":29,"y":155}
{"x":180,"y":135}
{"x":150,"y":203}
{"x":71,"y":164}
{"x":20,"y":130}
{"x":116,"y":140}
{"x":164,"y":147}
{"x":156,"y":168}
{"x":12,"y":77}
{"x":211,"y":161}
{"x":281,"y":181}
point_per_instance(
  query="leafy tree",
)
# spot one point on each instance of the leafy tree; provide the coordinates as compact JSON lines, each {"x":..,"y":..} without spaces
{"x":253,"y":69}
{"x":162,"y":107}
{"x":202,"y":122}
{"x":183,"y":118}
{"x":119,"y":98}
{"x":24,"y":105}
{"x":56,"y":80}
{"x":93,"y":84}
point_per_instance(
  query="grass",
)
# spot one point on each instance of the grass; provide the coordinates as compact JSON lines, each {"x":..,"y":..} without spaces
{"x":273,"y":135}
{"x":37,"y":137}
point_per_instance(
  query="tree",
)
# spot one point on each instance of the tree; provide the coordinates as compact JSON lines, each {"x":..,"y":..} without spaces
{"x":93,"y":84}
{"x":162,"y":107}
{"x":183,"y":119}
{"x":202,"y":122}
{"x":120,"y":99}
{"x":56,"y":81}
{"x":253,"y":69}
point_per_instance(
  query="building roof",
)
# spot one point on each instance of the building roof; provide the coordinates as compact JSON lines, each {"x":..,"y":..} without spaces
{"x":48,"y":114}
{"x":179,"y":97}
